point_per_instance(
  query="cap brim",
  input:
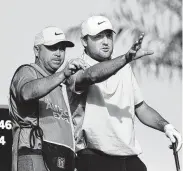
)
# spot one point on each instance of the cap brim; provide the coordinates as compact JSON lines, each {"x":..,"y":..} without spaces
{"x":94,"y":34}
{"x":103,"y":30}
{"x":66,"y":42}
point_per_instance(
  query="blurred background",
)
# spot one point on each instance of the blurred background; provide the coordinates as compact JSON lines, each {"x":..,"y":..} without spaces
{"x":159,"y":75}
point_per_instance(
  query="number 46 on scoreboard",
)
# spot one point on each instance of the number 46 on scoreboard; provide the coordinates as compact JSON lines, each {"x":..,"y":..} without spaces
{"x":4,"y":125}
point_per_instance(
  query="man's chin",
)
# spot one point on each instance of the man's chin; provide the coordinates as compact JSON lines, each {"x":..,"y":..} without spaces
{"x":55,"y":67}
{"x":106,"y":57}
{"x":102,"y":59}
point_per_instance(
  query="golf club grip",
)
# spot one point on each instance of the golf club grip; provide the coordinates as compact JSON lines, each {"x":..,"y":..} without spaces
{"x":174,"y":145}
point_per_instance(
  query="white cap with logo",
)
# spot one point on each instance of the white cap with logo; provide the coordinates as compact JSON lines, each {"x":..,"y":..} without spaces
{"x":50,"y":36}
{"x":94,"y":25}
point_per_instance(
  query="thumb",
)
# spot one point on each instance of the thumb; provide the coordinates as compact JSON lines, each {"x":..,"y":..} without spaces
{"x":141,"y":53}
{"x":149,"y":52}
{"x":146,"y":52}
{"x":172,"y":138}
{"x":178,"y":140}
{"x":66,"y":63}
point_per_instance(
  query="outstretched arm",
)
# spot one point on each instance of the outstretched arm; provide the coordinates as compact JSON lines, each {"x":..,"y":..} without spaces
{"x":99,"y":72}
{"x":103,"y":70}
{"x":38,"y":88}
{"x":153,"y":119}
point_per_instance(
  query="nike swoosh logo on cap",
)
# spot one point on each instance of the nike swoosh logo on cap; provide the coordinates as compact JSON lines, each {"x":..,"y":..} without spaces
{"x":58,"y":33}
{"x":101,"y":22}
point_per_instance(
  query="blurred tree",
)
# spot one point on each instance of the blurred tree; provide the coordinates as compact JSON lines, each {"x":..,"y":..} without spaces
{"x":159,"y":20}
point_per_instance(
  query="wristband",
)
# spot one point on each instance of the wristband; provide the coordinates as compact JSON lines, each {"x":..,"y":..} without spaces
{"x":128,"y":57}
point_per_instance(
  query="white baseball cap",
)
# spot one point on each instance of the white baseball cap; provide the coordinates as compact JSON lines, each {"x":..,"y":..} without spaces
{"x":50,"y":36}
{"x":94,"y":25}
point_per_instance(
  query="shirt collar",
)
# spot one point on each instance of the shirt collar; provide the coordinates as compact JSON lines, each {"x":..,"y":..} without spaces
{"x":90,"y":61}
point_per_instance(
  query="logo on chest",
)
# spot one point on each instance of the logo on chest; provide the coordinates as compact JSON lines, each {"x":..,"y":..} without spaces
{"x":58,"y":113}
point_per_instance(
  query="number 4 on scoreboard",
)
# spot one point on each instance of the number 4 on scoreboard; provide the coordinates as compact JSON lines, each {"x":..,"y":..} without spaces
{"x":2,"y":140}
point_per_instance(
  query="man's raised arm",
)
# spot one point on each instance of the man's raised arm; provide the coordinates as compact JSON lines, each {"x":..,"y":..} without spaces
{"x":103,"y":70}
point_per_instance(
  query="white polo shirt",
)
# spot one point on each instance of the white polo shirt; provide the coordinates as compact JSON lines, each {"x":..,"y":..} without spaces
{"x":109,"y":113}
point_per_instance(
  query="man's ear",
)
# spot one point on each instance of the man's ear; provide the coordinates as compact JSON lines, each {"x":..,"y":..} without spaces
{"x":83,"y":41}
{"x":36,"y":51}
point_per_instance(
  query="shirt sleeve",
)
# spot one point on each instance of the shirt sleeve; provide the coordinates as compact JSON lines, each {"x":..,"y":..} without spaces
{"x":23,"y":76}
{"x":138,"y":98}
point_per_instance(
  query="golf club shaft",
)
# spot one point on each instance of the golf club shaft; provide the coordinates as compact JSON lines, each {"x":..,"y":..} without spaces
{"x":176,"y":157}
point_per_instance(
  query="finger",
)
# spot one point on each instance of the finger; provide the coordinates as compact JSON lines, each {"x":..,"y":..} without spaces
{"x":137,"y":45}
{"x":79,"y":64}
{"x":79,"y":60}
{"x":179,"y":143}
{"x":70,"y":61}
{"x":82,"y":64}
{"x":75,"y":63}
{"x":170,"y":146}
{"x":172,"y":138}
{"x":72,"y":67}
{"x":141,"y":38}
{"x":142,"y":35}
